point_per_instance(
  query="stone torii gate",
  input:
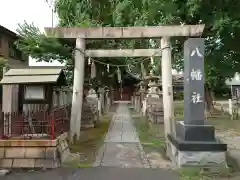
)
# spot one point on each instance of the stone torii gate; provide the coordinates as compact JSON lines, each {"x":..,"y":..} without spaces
{"x":151,"y":32}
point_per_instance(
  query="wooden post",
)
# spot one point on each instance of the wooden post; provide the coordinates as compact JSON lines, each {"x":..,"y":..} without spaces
{"x":101,"y":100}
{"x":107,"y":101}
{"x":77,"y":97}
{"x":112,"y":95}
{"x":99,"y":107}
{"x":230,"y":108}
{"x":135,"y":102}
{"x":139,"y":104}
{"x":144,"y":108}
{"x":169,"y":122}
{"x":132,"y":101}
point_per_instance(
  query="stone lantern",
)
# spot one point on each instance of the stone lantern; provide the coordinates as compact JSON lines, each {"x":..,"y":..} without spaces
{"x":107,"y":100}
{"x":154,"y":103}
{"x":154,"y":85}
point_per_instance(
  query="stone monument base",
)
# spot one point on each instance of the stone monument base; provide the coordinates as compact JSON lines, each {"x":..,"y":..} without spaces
{"x":196,"y":153}
{"x":189,"y":132}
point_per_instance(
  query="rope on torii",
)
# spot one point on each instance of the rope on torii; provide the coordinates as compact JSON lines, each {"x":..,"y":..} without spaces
{"x":90,"y":59}
{"x":93,"y":62}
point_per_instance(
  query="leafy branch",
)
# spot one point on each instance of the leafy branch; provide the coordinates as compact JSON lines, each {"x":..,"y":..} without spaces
{"x":40,"y":47}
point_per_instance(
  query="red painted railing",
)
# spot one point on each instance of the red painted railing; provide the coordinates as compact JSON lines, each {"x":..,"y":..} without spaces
{"x":41,"y":124}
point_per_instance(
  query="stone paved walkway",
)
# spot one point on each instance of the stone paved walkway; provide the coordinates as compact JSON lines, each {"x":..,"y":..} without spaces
{"x":122,"y":147}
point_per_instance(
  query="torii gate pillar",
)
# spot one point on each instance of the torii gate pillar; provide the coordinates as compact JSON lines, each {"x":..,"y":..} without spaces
{"x":166,"y":63}
{"x":77,"y":98}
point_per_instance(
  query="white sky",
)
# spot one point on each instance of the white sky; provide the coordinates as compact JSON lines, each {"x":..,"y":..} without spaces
{"x":36,"y":11}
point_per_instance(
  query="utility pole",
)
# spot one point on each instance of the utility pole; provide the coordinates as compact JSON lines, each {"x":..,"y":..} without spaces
{"x":51,"y":5}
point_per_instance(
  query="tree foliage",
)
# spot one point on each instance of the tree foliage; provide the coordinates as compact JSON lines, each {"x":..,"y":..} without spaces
{"x":222,"y":29}
{"x":221,"y":19}
{"x":36,"y":44}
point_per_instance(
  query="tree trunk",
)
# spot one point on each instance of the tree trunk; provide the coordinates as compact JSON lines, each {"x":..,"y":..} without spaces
{"x":213,"y":98}
{"x":208,"y":99}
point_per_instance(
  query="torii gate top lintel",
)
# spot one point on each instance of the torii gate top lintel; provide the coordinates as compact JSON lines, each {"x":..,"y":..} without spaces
{"x":126,"y":32}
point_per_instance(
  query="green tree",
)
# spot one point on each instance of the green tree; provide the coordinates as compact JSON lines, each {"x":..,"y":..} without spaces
{"x":221,"y":19}
{"x":222,"y":29}
{"x":85,"y":13}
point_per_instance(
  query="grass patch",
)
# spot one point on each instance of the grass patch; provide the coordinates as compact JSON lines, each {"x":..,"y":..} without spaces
{"x":189,"y":174}
{"x":233,"y":165}
{"x":220,"y":121}
{"x":89,"y":143}
{"x":151,"y":136}
{"x":223,"y":123}
{"x":198,"y":173}
{"x":192,"y":174}
{"x":178,"y":111}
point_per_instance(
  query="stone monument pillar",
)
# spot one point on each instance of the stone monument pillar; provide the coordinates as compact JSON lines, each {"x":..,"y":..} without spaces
{"x":195,"y":143}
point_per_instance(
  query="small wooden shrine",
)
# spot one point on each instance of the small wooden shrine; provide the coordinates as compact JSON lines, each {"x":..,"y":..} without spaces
{"x":33,"y":131}
{"x":32,"y":86}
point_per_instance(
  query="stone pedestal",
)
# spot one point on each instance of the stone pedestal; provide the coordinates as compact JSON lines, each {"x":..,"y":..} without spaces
{"x":155,"y":110}
{"x":154,"y":103}
{"x":188,"y":132}
{"x":35,"y":153}
{"x":137,"y":102}
{"x":195,"y":143}
{"x":196,"y":153}
{"x":90,"y":115}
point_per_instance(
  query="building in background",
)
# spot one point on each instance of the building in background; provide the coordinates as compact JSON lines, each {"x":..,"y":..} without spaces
{"x":15,"y":58}
{"x":234,"y":84}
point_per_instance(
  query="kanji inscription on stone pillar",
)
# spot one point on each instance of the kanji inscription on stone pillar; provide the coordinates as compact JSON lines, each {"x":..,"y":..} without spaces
{"x":194,"y":81}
